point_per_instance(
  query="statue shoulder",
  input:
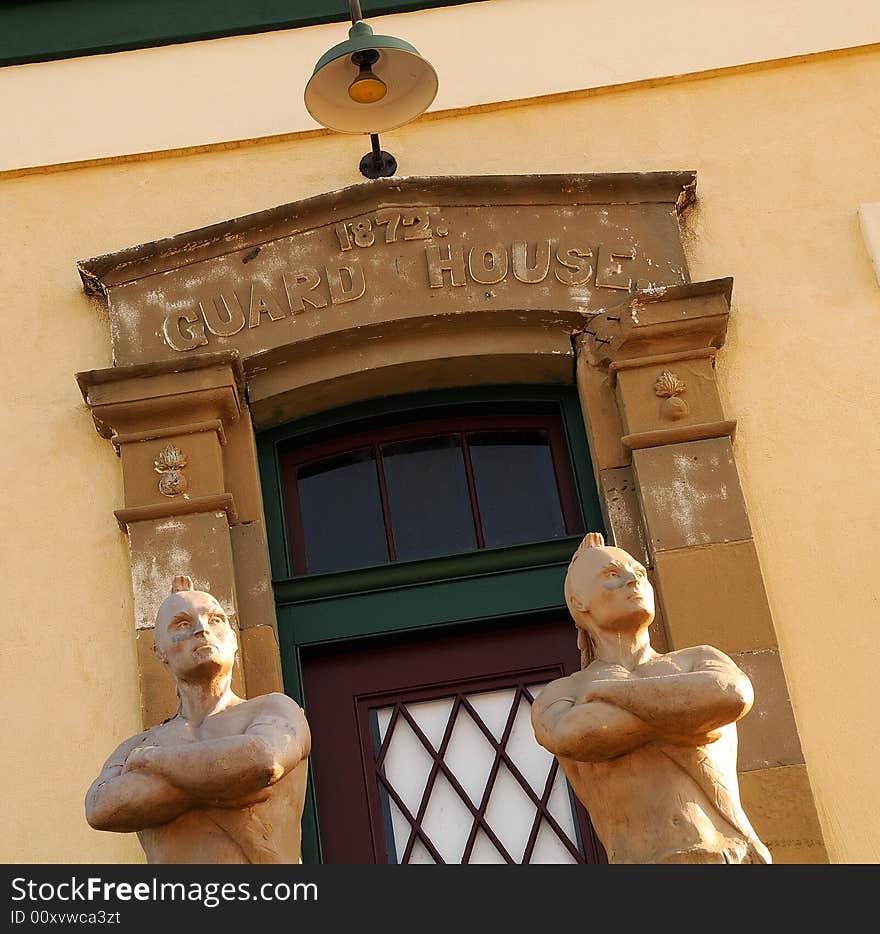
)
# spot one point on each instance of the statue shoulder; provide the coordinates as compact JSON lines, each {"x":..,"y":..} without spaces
{"x":699,"y":657}
{"x":275,"y":705}
{"x":712,"y":657}
{"x":282,"y":721}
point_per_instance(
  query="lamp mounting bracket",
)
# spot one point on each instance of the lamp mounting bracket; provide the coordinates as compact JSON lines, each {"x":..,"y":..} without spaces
{"x":365,"y":58}
{"x":377,"y":163}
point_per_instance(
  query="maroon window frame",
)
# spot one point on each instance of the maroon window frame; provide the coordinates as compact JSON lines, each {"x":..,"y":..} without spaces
{"x":343,"y":684}
{"x":291,"y":461}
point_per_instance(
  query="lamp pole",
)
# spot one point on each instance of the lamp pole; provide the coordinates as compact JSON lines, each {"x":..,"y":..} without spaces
{"x":376,"y":163}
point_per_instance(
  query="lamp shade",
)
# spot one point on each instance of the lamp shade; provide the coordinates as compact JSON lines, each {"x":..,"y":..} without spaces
{"x":410,"y":80}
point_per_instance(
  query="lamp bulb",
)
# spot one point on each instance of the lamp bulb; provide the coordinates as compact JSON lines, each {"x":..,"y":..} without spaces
{"x":366,"y":87}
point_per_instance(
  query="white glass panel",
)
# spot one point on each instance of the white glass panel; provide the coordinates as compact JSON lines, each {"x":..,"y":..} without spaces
{"x":407,"y":764}
{"x":419,"y":854}
{"x":399,"y":824}
{"x":549,"y":848}
{"x":559,"y":805}
{"x":432,"y":717}
{"x":493,"y":708}
{"x":447,"y":821}
{"x":484,"y":850}
{"x":531,"y":759}
{"x":510,"y":813}
{"x":383,"y":717}
{"x":469,"y":756}
{"x":535,"y":689}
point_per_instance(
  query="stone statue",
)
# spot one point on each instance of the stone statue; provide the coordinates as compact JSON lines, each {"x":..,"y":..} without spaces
{"x":224,"y":780}
{"x":648,"y":741}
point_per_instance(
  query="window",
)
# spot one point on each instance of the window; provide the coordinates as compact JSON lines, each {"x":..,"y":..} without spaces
{"x":419,"y":546}
{"x":426,"y":489}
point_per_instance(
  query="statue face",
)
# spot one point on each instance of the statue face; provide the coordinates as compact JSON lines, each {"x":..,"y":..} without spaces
{"x":612,"y":587}
{"x":193,"y":635}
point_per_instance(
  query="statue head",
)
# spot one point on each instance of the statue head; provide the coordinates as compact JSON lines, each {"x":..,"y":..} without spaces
{"x":607,"y":590}
{"x":193,"y":637}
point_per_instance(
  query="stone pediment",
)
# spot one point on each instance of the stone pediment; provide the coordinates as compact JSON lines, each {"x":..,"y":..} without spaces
{"x":396,"y":256}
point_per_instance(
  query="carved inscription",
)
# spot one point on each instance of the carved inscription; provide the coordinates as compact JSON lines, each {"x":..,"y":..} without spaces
{"x":409,"y":224}
{"x":353,"y":265}
{"x":291,"y":293}
{"x":611,"y":274}
{"x":528,"y":262}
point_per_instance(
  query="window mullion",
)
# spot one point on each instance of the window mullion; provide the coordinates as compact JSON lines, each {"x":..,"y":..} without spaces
{"x":568,"y":499}
{"x":472,"y":490}
{"x":386,"y":506}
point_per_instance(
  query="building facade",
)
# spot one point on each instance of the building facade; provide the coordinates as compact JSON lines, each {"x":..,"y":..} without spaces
{"x":618,"y":283}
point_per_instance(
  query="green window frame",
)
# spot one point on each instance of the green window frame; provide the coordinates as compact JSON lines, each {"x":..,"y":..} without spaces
{"x":415,"y":596}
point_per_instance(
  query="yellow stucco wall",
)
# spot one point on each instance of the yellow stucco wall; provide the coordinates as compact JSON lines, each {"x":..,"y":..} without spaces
{"x":785,"y":155}
{"x":249,"y":86}
{"x":68,"y":675}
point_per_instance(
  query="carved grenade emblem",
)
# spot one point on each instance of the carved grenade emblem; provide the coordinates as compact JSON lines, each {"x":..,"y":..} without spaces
{"x":669,"y":387}
{"x":169,"y":465}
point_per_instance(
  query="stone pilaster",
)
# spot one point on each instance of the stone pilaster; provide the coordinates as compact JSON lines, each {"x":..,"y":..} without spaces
{"x":191,"y":500}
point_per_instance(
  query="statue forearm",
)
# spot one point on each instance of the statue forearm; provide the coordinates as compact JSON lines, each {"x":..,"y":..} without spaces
{"x":590,"y":732}
{"x":689,"y":703}
{"x":134,"y":801}
{"x":217,"y":771}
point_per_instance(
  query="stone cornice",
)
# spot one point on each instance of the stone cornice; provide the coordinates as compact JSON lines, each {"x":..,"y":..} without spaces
{"x":103,"y":272}
{"x":138,"y":398}
{"x":682,"y":320}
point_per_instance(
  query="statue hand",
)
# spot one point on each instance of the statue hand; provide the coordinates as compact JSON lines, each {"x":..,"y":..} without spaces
{"x":139,"y":759}
{"x":595,"y":688}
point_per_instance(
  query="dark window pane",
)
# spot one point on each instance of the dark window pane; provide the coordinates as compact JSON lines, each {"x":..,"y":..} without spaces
{"x":428,"y":497}
{"x":341,"y":510}
{"x":516,"y":487}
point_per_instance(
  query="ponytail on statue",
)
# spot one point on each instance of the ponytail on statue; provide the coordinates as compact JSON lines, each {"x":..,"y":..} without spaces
{"x":585,"y":644}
